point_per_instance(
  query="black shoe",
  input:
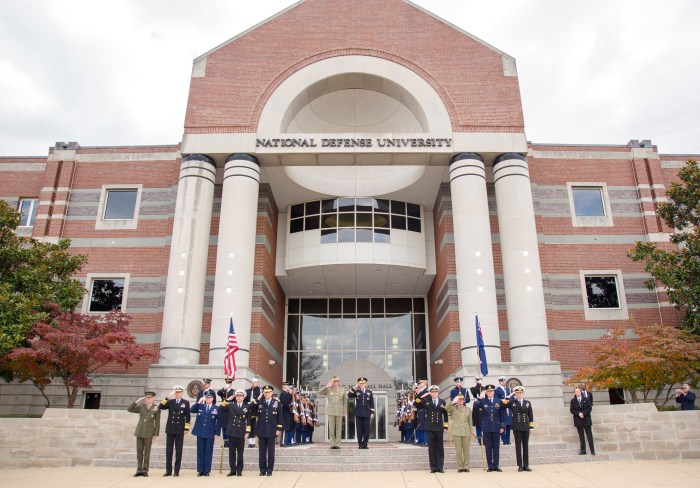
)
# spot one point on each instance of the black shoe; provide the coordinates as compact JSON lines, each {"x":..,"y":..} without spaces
{"x":466,"y":470}
{"x":498,"y":470}
{"x":206,"y":474}
{"x":239,"y":474}
{"x":582,"y":452}
{"x":460,"y":470}
{"x":262,"y":474}
{"x":138,"y":473}
{"x":270,"y":473}
{"x":176,"y":474}
{"x":592,"y":453}
{"x":231,"y":473}
{"x":527,"y":468}
{"x":167,"y":474}
{"x":520,"y":469}
{"x":489,"y":470}
{"x":145,"y":475}
{"x":200,"y":474}
{"x":432,"y":470}
{"x":441,"y":470}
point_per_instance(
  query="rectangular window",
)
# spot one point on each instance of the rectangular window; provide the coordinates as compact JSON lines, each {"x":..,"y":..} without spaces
{"x":589,"y":204}
{"x":603,"y":295}
{"x":120,"y":205}
{"x":27,"y":207}
{"x":106,"y":294}
{"x":588,"y":201}
{"x":601,"y":292}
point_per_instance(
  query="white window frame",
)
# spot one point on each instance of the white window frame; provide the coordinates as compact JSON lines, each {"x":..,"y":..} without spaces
{"x":620,"y":313}
{"x":91,"y":277}
{"x":35,"y":203}
{"x":105,"y":224}
{"x":604,"y":221}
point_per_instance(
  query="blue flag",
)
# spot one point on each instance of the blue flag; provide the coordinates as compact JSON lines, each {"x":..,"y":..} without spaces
{"x":481,"y":349}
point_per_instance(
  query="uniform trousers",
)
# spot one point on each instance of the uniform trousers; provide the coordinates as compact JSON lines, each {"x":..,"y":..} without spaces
{"x":436,"y":450}
{"x":235,"y":454}
{"x":253,"y":423}
{"x":492,"y":447}
{"x":143,"y":453}
{"x":335,"y":429}
{"x":589,"y":434}
{"x":522,"y":437}
{"x":173,"y":440}
{"x":266,"y":454}
{"x":362,"y":430}
{"x":505,"y":437}
{"x":462,"y":450}
{"x":205,"y":452}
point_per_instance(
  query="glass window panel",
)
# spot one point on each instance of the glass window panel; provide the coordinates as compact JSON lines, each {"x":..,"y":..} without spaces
{"x":313,"y":208}
{"x":329,"y":205}
{"x":377,"y":305}
{"x":120,"y":205}
{"x":106,"y":295}
{"x":382,"y":236}
{"x":363,"y":333}
{"x":292,"y":332}
{"x":296,"y":210}
{"x":335,"y":305}
{"x":334,"y":358}
{"x":364,"y":235}
{"x":28,"y":208}
{"x":313,"y":333}
{"x":349,"y":306}
{"x":293,"y":305}
{"x":335,"y":332}
{"x":292,"y":367}
{"x":296,"y":225}
{"x":329,"y":236}
{"x":414,"y":225}
{"x":349,"y":333}
{"x":363,"y":219}
{"x":398,"y":222}
{"x":399,"y":364}
{"x":311,"y":223}
{"x":377,"y":340}
{"x":381,"y":220}
{"x":349,"y":355}
{"x":398,"y":305}
{"x":363,"y":305}
{"x":318,"y":306}
{"x":364,"y":204}
{"x":382,"y":206}
{"x":329,"y":221}
{"x":377,"y":358}
{"x":398,"y":332}
{"x":602,"y":292}
{"x":419,"y":341}
{"x":588,"y":201}
{"x":311,"y":369}
{"x":418,"y":305}
{"x":346,"y":204}
{"x":413,"y":210}
{"x":363,"y":356}
{"x":421,"y":365}
{"x":398,"y":208}
{"x":346,"y":235}
{"x":346,"y":220}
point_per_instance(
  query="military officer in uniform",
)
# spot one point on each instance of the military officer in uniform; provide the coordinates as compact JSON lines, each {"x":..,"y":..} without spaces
{"x":207,"y":428}
{"x":178,"y":422}
{"x":226,"y":394}
{"x":335,"y":409}
{"x":288,"y":427}
{"x":364,"y":410}
{"x":523,"y":422}
{"x":238,"y":429}
{"x":435,"y":425}
{"x":205,"y":388}
{"x":491,"y":425}
{"x":461,"y":429}
{"x":459,"y":390}
{"x":476,"y":413}
{"x":251,"y":394}
{"x":502,"y":391}
{"x":269,"y":426}
{"x":420,"y":390}
{"x":146,"y":430}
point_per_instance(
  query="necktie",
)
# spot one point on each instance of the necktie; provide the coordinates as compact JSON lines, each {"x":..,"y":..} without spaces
{"x":435,"y":402}
{"x":521,"y":403}
{"x":267,"y":402}
{"x":208,"y":408}
{"x":239,"y":405}
{"x":177,"y":402}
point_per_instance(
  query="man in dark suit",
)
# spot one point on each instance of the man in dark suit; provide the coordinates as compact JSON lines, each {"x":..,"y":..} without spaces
{"x":685,"y":397}
{"x":585,"y":393}
{"x":178,"y":423}
{"x":269,"y":426}
{"x":238,"y":429}
{"x":523,"y":422}
{"x":580,"y":408}
{"x":459,"y":390}
{"x":491,"y":425}
{"x":364,"y":410}
{"x":251,"y":394}
{"x":435,"y":426}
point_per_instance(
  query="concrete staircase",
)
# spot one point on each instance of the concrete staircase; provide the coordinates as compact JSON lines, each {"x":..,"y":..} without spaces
{"x":379,"y":457}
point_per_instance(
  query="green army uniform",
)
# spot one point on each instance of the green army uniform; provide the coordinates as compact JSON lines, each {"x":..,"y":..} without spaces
{"x":336,"y":408}
{"x":147,"y":428}
{"x":461,"y":428}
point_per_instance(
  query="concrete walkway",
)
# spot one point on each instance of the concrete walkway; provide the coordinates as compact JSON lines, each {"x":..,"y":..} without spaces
{"x":617,"y":474}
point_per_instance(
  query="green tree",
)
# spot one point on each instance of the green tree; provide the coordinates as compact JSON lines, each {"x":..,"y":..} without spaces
{"x":33,"y":274}
{"x":647,"y":367}
{"x":678,"y":269}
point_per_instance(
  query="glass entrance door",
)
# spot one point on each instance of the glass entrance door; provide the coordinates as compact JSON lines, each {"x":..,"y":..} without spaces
{"x":378,"y":424}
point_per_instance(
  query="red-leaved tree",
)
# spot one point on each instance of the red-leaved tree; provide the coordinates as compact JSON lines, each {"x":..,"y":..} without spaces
{"x":73,"y":348}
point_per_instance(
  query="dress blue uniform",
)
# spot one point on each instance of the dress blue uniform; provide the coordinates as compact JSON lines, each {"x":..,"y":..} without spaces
{"x":501,"y":393}
{"x":287,"y":418}
{"x":523,"y":422}
{"x":460,"y":390}
{"x":421,"y":436}
{"x":435,"y":424}
{"x":269,"y":424}
{"x":225,"y":393}
{"x":239,"y":424}
{"x":364,"y":409}
{"x":178,"y":422}
{"x":492,"y":412}
{"x":204,"y":391}
{"x":206,"y":428}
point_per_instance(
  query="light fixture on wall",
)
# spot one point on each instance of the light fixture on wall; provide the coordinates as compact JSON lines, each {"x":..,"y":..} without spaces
{"x":271,"y":362}
{"x":438,"y":361}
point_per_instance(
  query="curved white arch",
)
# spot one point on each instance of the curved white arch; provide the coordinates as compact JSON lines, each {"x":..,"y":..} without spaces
{"x":403,"y":84}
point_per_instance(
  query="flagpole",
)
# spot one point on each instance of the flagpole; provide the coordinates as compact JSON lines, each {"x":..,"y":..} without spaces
{"x":478,"y":373}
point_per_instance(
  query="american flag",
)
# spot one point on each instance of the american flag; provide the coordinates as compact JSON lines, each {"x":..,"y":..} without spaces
{"x":230,"y":356}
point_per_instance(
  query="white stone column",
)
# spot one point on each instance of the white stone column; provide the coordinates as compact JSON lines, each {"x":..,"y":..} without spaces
{"x":527,"y":321}
{"x":184,"y":296}
{"x":235,"y":258}
{"x":476,"y":282}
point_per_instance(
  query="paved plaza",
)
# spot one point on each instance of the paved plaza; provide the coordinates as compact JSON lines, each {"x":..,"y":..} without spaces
{"x":617,"y":474}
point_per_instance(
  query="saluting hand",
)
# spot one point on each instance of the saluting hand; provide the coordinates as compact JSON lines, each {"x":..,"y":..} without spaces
{"x":142,"y":399}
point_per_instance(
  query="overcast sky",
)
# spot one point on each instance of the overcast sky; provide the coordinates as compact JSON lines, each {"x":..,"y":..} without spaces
{"x":117,"y":72}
